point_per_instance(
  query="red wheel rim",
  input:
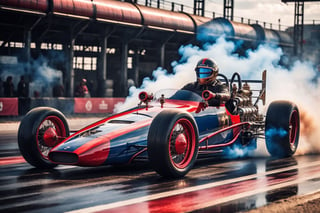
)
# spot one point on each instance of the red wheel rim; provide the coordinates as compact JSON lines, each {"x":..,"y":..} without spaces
{"x":50,"y":132}
{"x":182,"y":143}
{"x":293,"y":129}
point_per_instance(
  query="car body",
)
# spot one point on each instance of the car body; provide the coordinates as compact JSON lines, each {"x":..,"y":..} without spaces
{"x":171,"y":129}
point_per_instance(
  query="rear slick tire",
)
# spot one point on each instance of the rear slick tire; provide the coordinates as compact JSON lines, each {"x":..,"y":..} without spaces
{"x":40,"y":130}
{"x":173,"y":143}
{"x":282,"y":129}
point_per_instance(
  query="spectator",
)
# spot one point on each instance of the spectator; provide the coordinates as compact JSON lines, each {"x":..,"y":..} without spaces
{"x":1,"y":87}
{"x":58,"y":90}
{"x":36,"y":94}
{"x":8,"y":87}
{"x":22,"y":88}
{"x":91,"y":87}
{"x":82,"y":90}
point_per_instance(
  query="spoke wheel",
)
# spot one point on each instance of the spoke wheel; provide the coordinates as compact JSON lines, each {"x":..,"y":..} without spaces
{"x":181,"y":145}
{"x":40,"y":130}
{"x":173,"y":143}
{"x":49,"y":134}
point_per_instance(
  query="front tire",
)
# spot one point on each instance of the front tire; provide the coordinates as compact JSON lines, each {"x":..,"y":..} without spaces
{"x":40,"y":130}
{"x":173,"y":143}
{"x":282,"y":129}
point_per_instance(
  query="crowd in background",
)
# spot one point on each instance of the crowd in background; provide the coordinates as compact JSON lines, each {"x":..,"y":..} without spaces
{"x":8,"y":89}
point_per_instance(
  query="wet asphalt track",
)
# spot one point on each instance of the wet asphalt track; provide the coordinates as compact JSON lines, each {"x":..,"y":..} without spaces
{"x":214,"y":185}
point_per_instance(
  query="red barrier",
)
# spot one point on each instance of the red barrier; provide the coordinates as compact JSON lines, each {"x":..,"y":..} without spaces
{"x":8,"y":106}
{"x":95,"y":105}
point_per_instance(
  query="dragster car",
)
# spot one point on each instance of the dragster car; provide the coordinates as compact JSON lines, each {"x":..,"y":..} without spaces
{"x":171,"y":129}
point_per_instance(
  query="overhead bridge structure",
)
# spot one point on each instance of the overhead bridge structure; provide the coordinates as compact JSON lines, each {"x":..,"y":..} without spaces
{"x":123,"y":40}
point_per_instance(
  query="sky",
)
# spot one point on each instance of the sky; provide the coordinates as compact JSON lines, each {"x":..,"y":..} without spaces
{"x":269,"y":11}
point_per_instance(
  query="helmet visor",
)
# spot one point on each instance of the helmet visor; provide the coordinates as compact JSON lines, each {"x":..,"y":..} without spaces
{"x":204,"y":72}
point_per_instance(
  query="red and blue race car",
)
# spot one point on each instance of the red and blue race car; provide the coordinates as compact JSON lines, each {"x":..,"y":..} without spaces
{"x":171,"y":129}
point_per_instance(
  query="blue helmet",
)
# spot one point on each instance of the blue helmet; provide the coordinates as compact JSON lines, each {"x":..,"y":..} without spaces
{"x":206,"y":70}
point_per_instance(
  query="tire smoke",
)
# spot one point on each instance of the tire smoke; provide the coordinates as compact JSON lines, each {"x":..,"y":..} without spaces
{"x":299,"y":83}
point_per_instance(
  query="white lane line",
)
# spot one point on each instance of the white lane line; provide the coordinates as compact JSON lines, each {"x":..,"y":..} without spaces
{"x":250,"y":193}
{"x":206,"y":186}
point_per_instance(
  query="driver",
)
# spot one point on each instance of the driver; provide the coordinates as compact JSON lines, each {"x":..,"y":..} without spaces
{"x":207,"y":72}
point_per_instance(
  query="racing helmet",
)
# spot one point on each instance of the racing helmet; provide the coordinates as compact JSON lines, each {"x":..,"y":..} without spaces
{"x":207,"y":70}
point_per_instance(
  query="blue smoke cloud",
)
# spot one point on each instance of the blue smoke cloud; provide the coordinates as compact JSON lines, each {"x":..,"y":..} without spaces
{"x":238,"y":151}
{"x":276,"y":132}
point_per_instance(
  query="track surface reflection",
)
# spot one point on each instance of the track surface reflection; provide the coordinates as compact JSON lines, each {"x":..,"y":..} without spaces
{"x":214,"y":185}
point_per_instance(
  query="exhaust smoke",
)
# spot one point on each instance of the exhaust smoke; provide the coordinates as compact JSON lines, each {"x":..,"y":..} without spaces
{"x":39,"y":73}
{"x":298,"y":84}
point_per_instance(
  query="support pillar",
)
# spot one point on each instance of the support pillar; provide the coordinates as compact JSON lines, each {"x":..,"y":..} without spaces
{"x":102,"y":71}
{"x":162,"y":55}
{"x":123,"y":83}
{"x":298,"y":28}
{"x":75,"y":30}
{"x":27,"y":47}
{"x":228,"y":9}
{"x":69,"y":80}
{"x":136,"y":60}
{"x":198,"y":7}
{"x":27,"y":44}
